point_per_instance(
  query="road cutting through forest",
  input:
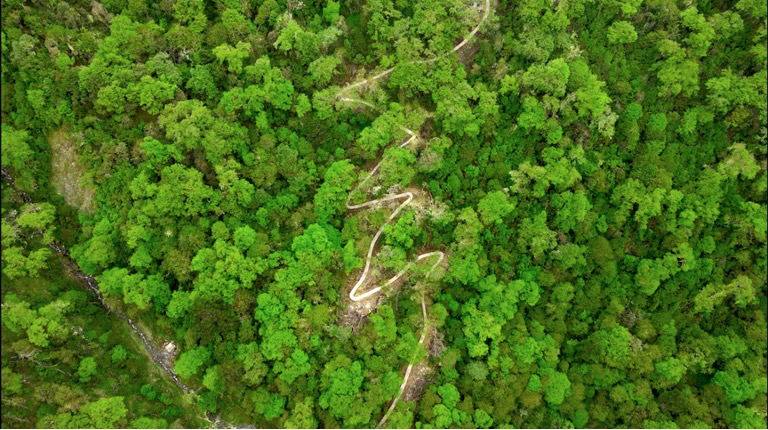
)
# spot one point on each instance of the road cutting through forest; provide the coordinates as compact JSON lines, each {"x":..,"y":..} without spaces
{"x":164,"y":360}
{"x":266,"y":217}
{"x":407,"y":197}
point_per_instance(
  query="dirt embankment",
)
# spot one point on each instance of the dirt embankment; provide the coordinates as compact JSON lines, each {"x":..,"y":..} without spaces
{"x":67,"y":172}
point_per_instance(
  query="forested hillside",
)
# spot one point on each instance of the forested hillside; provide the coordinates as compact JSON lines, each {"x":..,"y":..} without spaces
{"x":394,"y":213}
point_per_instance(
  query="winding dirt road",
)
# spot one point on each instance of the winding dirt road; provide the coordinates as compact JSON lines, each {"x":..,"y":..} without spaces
{"x":88,"y":282}
{"x":407,"y":197}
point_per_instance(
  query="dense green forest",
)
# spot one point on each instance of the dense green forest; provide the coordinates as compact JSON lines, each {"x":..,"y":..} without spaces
{"x":394,"y":213}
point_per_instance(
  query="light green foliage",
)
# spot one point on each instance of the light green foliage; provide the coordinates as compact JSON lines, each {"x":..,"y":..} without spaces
{"x":106,"y":412}
{"x":87,"y":369}
{"x":18,"y":264}
{"x":580,"y":418}
{"x":449,"y":394}
{"x":296,"y":365}
{"x":477,"y":370}
{"x":244,"y":237}
{"x":671,"y":369}
{"x":591,"y":99}
{"x":12,"y":382}
{"x":482,"y":420}
{"x":741,"y":162}
{"x":737,"y":389}
{"x":479,"y":326}
{"x":534,"y":384}
{"x":302,"y":416}
{"x":536,"y":235}
{"x":526,"y":289}
{"x":464,"y":261}
{"x":189,"y":362}
{"x":740,"y":289}
{"x":119,"y":354}
{"x":384,"y":324}
{"x":409,"y":349}
{"x":331,"y":196}
{"x":572,"y":209}
{"x":192,"y":13}
{"x":495,"y":206}
{"x":149,"y":423}
{"x":621,"y":32}
{"x":558,"y":171}
{"x":212,"y":379}
{"x":17,"y":315}
{"x":551,"y":78}
{"x":192,"y":126}
{"x":594,"y":174}
{"x":134,"y":288}
{"x":533,"y":115}
{"x":398,"y":166}
{"x":33,"y":226}
{"x":527,"y":351}
{"x":742,"y":417}
{"x":303,"y":106}
{"x":556,"y":386}
{"x":442,"y":416}
{"x":403,"y":232}
{"x":38,"y":217}
{"x":151,"y":94}
{"x":201,"y":81}
{"x":322,"y":69}
{"x":677,"y":73}
{"x":702,"y":33}
{"x":350,"y":257}
{"x":234,"y":56}
{"x":613,"y":345}
{"x":252,"y":360}
{"x":341,"y":381}
{"x":331,"y":12}
{"x":16,"y":147}
{"x":382,"y":131}
{"x":455,"y":112}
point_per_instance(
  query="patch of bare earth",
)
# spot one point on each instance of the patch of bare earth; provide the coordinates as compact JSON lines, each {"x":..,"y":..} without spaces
{"x":417,"y":383}
{"x":422,"y":375}
{"x":467,"y":56}
{"x":68,"y":172}
{"x":356,"y":314}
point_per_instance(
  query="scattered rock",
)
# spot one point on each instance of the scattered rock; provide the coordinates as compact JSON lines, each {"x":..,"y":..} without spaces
{"x":170,"y":347}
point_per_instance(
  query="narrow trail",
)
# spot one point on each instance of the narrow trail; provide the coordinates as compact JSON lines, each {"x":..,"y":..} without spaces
{"x":406,"y":198}
{"x":160,"y":358}
{"x":470,"y":36}
{"x":353,"y":294}
{"x":408,"y":369}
